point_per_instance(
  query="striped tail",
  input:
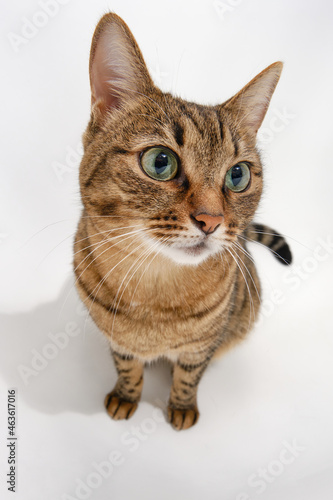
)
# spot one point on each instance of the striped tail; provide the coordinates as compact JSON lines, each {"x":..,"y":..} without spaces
{"x":271,"y":239}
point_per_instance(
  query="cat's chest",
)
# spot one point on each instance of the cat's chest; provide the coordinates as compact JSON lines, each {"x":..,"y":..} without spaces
{"x":164,"y":318}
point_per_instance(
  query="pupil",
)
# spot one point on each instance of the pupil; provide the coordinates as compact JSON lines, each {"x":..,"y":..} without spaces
{"x":236,"y":175}
{"x":161,"y":162}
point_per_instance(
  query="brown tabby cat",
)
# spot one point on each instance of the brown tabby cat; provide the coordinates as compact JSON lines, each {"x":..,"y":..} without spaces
{"x":169,"y":190}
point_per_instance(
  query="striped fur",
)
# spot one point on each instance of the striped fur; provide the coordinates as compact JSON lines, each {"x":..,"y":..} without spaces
{"x":155,"y":284}
{"x":272,"y":240}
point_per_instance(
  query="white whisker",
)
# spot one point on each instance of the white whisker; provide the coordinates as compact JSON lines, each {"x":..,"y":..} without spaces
{"x":145,"y":254}
{"x":265,"y":246}
{"x":105,"y":238}
{"x":108,"y":274}
{"x":157,"y":253}
{"x":247,"y":285}
{"x":128,"y":236}
{"x":242,"y":261}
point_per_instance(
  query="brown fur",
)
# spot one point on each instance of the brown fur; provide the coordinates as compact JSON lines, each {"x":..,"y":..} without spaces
{"x":145,"y":303}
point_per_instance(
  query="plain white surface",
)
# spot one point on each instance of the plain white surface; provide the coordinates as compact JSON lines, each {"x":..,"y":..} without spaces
{"x":269,"y":394}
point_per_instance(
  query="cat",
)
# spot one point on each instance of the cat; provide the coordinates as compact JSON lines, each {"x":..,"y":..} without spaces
{"x":169,"y":191}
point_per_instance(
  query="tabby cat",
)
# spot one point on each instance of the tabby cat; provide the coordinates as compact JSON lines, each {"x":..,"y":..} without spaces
{"x":169,"y":190}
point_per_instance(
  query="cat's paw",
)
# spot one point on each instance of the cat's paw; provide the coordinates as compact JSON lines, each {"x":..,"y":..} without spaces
{"x":182,"y":418}
{"x":118,"y":408}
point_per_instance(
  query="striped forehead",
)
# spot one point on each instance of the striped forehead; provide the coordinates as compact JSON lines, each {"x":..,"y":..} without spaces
{"x":201,"y":131}
{"x":200,"y":134}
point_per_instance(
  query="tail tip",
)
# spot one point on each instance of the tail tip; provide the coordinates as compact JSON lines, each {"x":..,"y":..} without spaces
{"x":283,"y":254}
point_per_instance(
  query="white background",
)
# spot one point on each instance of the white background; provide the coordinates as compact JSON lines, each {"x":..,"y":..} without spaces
{"x":272,"y":391}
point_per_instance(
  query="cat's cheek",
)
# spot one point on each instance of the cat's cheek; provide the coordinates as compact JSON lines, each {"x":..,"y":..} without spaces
{"x":241,"y":207}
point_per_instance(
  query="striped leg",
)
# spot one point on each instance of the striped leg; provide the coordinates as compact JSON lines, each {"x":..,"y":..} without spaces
{"x":182,"y":409}
{"x":123,"y":400}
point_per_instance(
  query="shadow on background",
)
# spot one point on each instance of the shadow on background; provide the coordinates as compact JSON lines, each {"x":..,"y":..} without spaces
{"x":59,"y":361}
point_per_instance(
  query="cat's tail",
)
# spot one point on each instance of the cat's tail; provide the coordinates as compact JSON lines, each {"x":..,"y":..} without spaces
{"x":271,"y":239}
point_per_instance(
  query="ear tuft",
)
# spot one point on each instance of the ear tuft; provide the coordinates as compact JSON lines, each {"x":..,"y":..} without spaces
{"x":249,"y":106}
{"x":117,"y":68}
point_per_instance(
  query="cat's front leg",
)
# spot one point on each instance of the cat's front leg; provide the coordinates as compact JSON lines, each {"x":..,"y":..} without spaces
{"x":123,"y":400}
{"x":187,"y":372}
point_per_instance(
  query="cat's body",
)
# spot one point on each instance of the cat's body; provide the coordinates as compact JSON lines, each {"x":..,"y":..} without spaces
{"x":160,"y":254}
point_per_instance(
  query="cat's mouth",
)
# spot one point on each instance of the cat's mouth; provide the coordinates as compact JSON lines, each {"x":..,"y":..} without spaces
{"x":195,"y":250}
{"x":194,"y":254}
{"x":190,"y":254}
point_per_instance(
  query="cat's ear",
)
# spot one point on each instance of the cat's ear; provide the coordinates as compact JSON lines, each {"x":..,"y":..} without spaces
{"x":249,"y":105}
{"x":117,"y":69}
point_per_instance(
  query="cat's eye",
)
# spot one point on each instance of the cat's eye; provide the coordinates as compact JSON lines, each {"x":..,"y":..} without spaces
{"x":159,"y":163}
{"x":238,"y":177}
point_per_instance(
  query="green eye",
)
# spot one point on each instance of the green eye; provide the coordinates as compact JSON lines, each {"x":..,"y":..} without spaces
{"x":159,"y":163}
{"x":238,"y":177}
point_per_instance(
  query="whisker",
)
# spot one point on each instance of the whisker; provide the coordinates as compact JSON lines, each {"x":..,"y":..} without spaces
{"x":90,"y":246}
{"x":247,"y":286}
{"x":265,"y":246}
{"x":157,"y":253}
{"x":94,"y":246}
{"x":106,"y":277}
{"x":65,"y":239}
{"x":244,"y":251}
{"x":131,"y":217}
{"x":250,"y":256}
{"x":99,"y":285}
{"x":115,"y":303}
{"x":175,"y":79}
{"x":242,"y":261}
{"x":77,"y":278}
{"x":41,"y":230}
{"x":145,"y":254}
{"x":128,"y":235}
{"x":286,"y":236}
{"x":106,"y":237}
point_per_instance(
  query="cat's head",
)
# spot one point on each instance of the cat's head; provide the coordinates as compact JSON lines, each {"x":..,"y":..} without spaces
{"x":187,"y":178}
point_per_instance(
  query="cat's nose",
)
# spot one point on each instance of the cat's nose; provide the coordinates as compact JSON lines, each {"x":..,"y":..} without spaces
{"x":207,"y":223}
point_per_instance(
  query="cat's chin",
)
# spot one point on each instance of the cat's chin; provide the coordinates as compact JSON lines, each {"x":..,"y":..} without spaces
{"x":188,"y":255}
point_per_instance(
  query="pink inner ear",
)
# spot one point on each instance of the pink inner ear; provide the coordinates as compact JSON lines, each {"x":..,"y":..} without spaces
{"x":251,"y":103}
{"x":117,"y":69}
{"x":101,"y":85}
{"x":102,"y":78}
{"x":112,"y":69}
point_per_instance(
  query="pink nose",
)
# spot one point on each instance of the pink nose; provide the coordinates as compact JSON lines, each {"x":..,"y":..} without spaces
{"x":208,"y":223}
